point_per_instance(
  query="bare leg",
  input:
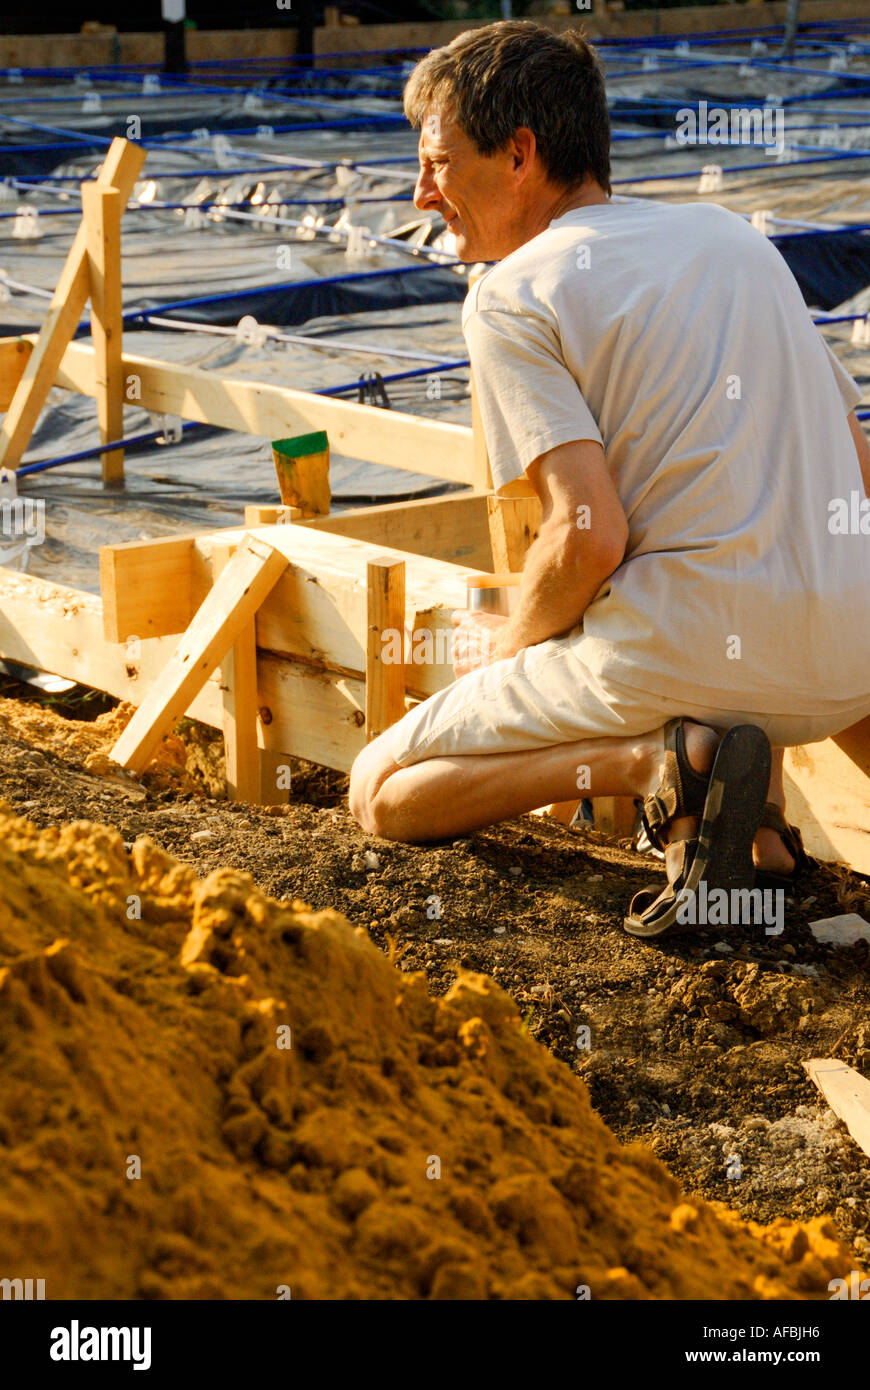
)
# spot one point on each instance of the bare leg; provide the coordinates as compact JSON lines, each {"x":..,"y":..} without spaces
{"x":768,"y":851}
{"x":441,"y":797}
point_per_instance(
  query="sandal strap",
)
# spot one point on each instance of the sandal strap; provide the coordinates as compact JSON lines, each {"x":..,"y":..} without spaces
{"x":772,"y":818}
{"x":681,"y":792}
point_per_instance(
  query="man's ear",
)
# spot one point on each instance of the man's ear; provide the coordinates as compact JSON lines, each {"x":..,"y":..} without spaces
{"x":523,"y":148}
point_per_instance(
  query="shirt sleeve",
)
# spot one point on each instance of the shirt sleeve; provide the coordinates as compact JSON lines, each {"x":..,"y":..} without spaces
{"x":529,"y":401}
{"x":848,"y":388}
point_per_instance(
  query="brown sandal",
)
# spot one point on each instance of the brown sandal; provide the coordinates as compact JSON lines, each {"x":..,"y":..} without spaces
{"x":728,"y":802}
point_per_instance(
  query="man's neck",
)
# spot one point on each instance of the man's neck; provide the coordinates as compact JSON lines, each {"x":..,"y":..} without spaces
{"x":589,"y":194}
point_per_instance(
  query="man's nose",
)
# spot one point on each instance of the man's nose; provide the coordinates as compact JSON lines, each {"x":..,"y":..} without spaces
{"x":425,"y":192}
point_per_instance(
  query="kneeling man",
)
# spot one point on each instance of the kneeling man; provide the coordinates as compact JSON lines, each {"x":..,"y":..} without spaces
{"x":651,"y":372}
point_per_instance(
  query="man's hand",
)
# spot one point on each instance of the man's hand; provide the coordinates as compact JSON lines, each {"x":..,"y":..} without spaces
{"x":475,"y":639}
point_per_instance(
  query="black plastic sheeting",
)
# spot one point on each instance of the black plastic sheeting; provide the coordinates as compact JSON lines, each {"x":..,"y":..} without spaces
{"x":290,"y":307}
{"x":830,"y":267}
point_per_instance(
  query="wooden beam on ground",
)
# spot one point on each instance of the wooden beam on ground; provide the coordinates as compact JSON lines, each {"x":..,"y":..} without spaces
{"x":102,"y":209}
{"x":385,"y":666}
{"x":231,"y":605}
{"x":827,"y":794}
{"x":147,"y":587}
{"x":514,"y":523}
{"x":389,"y":437}
{"x":14,"y":356}
{"x":848,"y":1094}
{"x":120,"y":170}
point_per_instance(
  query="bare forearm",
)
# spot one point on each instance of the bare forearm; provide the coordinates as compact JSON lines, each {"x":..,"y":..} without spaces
{"x":561,"y":576}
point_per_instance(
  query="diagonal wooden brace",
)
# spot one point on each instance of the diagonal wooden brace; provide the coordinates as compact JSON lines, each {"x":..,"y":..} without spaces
{"x":227,"y":610}
{"x":120,"y":170}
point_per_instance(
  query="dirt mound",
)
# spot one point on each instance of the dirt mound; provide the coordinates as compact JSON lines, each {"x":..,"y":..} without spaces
{"x":189,"y":760}
{"x":210,"y":1094}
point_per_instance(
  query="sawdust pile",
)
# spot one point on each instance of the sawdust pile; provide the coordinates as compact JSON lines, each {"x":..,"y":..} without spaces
{"x":160,"y":1139}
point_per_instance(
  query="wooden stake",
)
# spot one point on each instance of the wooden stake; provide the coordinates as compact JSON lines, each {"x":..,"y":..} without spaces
{"x":240,"y":703}
{"x":513,"y":525}
{"x":615,"y":815}
{"x":385,"y":677}
{"x":120,"y":170}
{"x":229,"y":607}
{"x":302,"y":465}
{"x":102,"y":212}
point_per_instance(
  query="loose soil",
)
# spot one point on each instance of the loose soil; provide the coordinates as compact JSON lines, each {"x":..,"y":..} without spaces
{"x":692,"y":1045}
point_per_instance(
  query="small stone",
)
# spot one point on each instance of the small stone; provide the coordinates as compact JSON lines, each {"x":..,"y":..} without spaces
{"x":443,"y":941}
{"x":723,"y":948}
{"x":596,"y":878}
{"x":515,"y":870}
{"x":371,"y":861}
{"x":823,"y":1196}
{"x":800,"y":1182}
{"x":844,"y":930}
{"x":202,"y":835}
{"x":499,"y":931}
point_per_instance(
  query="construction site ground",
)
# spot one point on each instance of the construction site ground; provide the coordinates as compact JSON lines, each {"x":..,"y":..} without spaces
{"x":693,"y":1045}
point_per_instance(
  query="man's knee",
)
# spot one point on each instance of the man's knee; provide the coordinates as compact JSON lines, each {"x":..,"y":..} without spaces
{"x":370,"y":771}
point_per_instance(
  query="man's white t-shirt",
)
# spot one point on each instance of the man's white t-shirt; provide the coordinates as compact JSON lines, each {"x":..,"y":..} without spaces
{"x":677,"y":337}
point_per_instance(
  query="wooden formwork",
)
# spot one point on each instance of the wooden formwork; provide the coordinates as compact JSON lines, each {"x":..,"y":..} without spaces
{"x":273,"y":632}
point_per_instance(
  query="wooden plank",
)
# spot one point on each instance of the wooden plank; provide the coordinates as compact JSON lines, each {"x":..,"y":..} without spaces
{"x":102,"y":209}
{"x":60,"y":629}
{"x":827,"y":788}
{"x":848,"y":1094}
{"x":316,"y":715}
{"x":147,"y":587}
{"x":453,"y":528}
{"x":232,"y":603}
{"x":120,"y":170}
{"x":239,"y":692}
{"x":312,"y":714}
{"x":514,"y":523}
{"x":389,"y":437}
{"x":14,"y":355}
{"x":385,"y":678}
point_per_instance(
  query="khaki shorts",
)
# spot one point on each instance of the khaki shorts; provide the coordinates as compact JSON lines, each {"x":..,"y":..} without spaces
{"x":548,"y":695}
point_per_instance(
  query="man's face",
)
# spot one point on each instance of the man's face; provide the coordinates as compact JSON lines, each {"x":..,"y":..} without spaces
{"x":475,"y":193}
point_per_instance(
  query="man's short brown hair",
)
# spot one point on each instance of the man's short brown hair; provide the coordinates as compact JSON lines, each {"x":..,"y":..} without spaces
{"x":516,"y":73}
